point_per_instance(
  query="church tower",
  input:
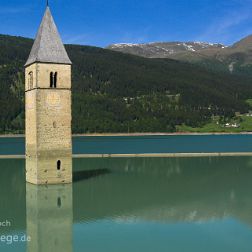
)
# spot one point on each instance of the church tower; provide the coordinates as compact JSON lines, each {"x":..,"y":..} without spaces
{"x":48,"y":108}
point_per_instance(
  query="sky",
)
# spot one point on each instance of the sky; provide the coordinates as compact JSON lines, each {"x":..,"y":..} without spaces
{"x":104,"y":22}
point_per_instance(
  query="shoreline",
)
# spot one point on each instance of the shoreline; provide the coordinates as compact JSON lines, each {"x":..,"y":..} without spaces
{"x":150,"y":155}
{"x":166,"y":134}
{"x":141,"y":134}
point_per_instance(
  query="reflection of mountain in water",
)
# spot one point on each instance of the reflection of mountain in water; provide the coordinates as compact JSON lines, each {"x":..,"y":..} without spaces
{"x":167,"y":190}
{"x":145,"y":189}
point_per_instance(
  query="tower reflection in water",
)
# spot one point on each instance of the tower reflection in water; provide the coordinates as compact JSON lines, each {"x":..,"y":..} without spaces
{"x":49,"y":212}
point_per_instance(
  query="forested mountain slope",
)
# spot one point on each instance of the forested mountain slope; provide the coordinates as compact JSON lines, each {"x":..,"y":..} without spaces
{"x":116,"y":92}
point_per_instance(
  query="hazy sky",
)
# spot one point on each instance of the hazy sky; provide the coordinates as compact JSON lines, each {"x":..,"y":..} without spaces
{"x":102,"y":22}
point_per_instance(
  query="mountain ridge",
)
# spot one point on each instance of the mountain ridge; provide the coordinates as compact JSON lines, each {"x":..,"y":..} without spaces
{"x":235,"y":58}
{"x":163,"y":49}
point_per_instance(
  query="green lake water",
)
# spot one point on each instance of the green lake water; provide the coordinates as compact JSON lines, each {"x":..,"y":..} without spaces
{"x":132,"y":205}
{"x":144,"y":144}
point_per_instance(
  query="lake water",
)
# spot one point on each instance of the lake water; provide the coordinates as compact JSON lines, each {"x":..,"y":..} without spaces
{"x":132,"y":205}
{"x":144,"y":144}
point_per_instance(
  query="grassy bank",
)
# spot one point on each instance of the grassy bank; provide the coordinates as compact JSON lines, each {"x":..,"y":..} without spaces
{"x":244,"y":121}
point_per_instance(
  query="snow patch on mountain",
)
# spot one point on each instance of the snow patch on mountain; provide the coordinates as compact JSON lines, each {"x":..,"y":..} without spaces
{"x":189,"y":47}
{"x":122,"y":45}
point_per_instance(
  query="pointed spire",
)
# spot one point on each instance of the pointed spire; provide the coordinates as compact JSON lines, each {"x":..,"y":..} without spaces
{"x":48,"y":47}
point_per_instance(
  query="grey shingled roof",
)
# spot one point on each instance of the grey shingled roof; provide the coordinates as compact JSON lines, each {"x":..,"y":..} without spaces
{"x":48,"y":47}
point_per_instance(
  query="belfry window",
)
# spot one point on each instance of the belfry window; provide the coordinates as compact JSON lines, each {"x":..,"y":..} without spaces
{"x":30,"y":80}
{"x":53,"y":79}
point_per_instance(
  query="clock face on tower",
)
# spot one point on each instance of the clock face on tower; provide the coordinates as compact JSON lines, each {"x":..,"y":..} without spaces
{"x":53,"y":99}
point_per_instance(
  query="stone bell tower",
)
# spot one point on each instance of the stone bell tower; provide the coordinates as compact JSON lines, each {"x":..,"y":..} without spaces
{"x":48,"y":108}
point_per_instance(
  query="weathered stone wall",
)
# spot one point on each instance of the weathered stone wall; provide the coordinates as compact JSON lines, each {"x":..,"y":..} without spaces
{"x":44,"y":170}
{"x":31,"y":122}
{"x":48,"y":125}
{"x":53,"y":120}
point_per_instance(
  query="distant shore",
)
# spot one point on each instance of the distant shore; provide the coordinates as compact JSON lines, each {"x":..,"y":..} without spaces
{"x":165,"y":134}
{"x":150,"y":155}
{"x":144,"y":134}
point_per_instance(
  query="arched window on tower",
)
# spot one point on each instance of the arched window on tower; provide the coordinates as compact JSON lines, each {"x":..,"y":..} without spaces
{"x":30,"y":80}
{"x":55,"y":79}
{"x":51,"y":79}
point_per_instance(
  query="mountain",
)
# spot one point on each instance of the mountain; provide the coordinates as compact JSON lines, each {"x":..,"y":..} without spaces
{"x":117,"y":92}
{"x":235,"y":59}
{"x":238,"y":57}
{"x":243,"y":45}
{"x":164,"y":49}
